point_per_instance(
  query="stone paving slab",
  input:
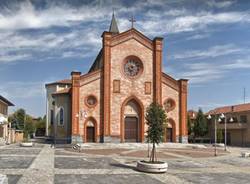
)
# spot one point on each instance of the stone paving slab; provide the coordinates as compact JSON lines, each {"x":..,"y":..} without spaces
{"x":23,"y":151}
{"x":13,"y":179}
{"x":236,"y":161}
{"x":215,"y":178}
{"x":185,"y":164}
{"x":15,"y":162}
{"x":59,"y":152}
{"x":106,"y":179}
{"x":85,"y":163}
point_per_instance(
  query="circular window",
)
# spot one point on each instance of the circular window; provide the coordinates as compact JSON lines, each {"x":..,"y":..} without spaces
{"x":91,"y":101}
{"x":169,"y":104}
{"x":132,"y":67}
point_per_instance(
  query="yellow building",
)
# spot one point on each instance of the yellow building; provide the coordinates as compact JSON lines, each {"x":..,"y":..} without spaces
{"x":238,"y":129}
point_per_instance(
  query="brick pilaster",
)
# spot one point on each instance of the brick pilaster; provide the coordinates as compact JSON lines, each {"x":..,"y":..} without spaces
{"x":75,"y":77}
{"x":106,"y":85}
{"x":183,"y":108}
{"x":157,"y":70}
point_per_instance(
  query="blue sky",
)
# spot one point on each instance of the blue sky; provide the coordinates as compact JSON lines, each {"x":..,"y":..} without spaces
{"x":206,"y":42}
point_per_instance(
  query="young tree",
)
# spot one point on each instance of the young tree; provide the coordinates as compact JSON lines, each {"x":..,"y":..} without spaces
{"x":17,"y":119}
{"x":156,"y":118}
{"x":200,"y":125}
{"x":29,"y":126}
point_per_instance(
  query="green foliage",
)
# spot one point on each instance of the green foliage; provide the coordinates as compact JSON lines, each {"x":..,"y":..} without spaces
{"x":219,"y":136}
{"x":200,"y":125}
{"x":17,"y":119}
{"x":41,"y":122}
{"x":22,"y":121}
{"x":29,"y":126}
{"x":156,"y":119}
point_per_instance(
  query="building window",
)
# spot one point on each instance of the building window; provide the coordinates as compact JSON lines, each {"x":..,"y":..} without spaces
{"x":243,"y":119}
{"x":51,"y":117}
{"x":61,"y":116}
{"x":169,"y":104}
{"x":91,"y":101}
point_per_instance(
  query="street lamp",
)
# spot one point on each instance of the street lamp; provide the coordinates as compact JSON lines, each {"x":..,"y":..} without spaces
{"x":215,"y":134}
{"x":222,"y":116}
{"x":225,"y":131}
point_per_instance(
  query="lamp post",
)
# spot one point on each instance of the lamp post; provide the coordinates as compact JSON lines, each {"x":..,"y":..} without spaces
{"x":215,"y":134}
{"x":222,"y":116}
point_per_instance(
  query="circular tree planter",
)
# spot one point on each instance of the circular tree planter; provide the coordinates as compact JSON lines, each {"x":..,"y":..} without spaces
{"x":26,"y":144}
{"x":150,"y":167}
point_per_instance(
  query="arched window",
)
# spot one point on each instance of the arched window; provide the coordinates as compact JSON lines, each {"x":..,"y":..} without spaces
{"x":61,"y":116}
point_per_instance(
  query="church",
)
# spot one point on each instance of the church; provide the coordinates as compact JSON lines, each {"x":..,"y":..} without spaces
{"x":109,"y":102}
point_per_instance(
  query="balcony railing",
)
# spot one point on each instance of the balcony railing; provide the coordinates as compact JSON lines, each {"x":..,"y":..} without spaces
{"x":233,"y":126}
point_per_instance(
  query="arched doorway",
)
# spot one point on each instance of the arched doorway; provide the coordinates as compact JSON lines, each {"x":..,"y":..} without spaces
{"x":170,"y":132}
{"x":132,"y":126}
{"x":90,"y":130}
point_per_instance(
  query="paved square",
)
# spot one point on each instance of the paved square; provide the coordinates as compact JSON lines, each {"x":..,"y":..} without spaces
{"x":85,"y":163}
{"x":43,"y":164}
{"x":10,"y":162}
{"x":20,"y":151}
{"x":105,"y":179}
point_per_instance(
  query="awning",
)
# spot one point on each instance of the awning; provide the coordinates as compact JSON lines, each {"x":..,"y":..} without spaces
{"x":3,"y":120}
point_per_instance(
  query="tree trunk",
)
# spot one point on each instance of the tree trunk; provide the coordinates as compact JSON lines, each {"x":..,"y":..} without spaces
{"x":153,"y":154}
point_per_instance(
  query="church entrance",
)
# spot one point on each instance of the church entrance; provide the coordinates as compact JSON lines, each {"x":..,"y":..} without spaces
{"x":169,"y":135}
{"x":90,"y":134}
{"x":170,"y":132}
{"x":131,"y":129}
{"x":131,"y":125}
{"x":90,"y":130}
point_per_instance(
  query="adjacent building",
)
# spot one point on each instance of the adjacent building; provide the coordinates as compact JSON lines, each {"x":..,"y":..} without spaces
{"x":109,"y":102}
{"x":5,"y":127}
{"x":238,"y":130}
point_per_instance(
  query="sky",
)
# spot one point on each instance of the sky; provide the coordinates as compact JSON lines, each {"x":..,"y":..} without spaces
{"x":207,"y":42}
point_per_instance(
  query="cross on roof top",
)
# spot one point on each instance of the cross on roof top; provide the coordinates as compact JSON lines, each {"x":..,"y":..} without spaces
{"x":132,"y":20}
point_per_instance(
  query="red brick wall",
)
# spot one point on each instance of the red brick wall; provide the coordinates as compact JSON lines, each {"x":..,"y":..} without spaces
{"x":129,"y":87}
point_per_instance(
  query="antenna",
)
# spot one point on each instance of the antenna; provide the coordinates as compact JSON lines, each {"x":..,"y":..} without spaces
{"x":244,"y":94}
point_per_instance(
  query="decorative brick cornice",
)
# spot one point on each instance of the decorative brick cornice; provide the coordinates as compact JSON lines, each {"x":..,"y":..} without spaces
{"x":132,"y":34}
{"x":171,"y":82}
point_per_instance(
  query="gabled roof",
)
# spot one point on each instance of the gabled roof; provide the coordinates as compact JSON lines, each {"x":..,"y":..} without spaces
{"x":98,"y":63}
{"x":113,"y":26}
{"x":230,"y":109}
{"x":63,"y":91}
{"x":6,"y":101}
{"x":64,"y":81}
{"x":129,"y":34}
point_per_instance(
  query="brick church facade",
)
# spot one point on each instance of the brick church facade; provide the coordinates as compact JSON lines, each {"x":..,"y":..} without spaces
{"x":108,"y":104}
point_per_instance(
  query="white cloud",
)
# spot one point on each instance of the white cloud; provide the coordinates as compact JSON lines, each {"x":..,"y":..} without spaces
{"x":191,"y":21}
{"x":15,"y":46}
{"x":26,"y":16}
{"x":238,"y":64}
{"x":220,"y":4}
{"x":198,"y":36}
{"x":215,"y":51}
{"x":22,"y":90}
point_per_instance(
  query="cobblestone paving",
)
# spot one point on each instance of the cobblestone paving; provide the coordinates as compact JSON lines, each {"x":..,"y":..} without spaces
{"x":43,"y":164}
